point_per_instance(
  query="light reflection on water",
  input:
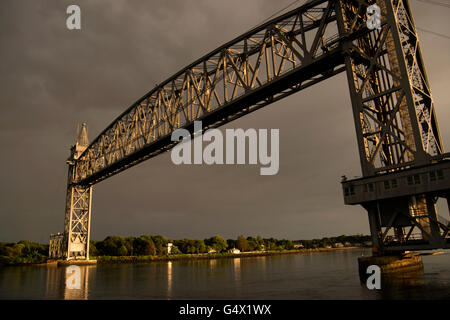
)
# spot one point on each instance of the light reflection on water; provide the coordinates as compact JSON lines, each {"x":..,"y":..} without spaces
{"x":328,"y":275}
{"x":169,"y":278}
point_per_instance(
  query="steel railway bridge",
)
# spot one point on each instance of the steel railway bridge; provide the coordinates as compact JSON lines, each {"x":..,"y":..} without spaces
{"x":404,"y":167}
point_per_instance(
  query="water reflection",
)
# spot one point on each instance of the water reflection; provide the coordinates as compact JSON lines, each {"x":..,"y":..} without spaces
{"x":332,"y":275}
{"x":58,"y":279}
{"x":55,"y":282}
{"x":430,"y":283}
{"x":212,"y":264}
{"x":169,"y":279}
{"x":404,"y":279}
{"x":237,"y":269}
{"x":414,"y":285}
{"x":80,"y":293}
{"x":261,"y":262}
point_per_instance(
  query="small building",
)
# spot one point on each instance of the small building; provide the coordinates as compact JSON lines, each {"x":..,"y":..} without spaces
{"x":298,"y":246}
{"x":338,"y":245}
{"x":212,"y":250}
{"x":169,"y":247}
{"x":234,"y":251}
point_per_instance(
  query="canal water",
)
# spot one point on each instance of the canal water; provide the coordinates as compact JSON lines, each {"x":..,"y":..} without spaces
{"x":326,"y":275}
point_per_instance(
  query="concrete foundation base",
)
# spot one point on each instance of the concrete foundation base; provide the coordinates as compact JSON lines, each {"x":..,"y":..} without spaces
{"x":390,"y":264}
{"x":72,"y":262}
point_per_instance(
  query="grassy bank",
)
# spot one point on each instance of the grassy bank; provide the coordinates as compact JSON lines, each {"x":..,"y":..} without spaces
{"x":148,"y":259}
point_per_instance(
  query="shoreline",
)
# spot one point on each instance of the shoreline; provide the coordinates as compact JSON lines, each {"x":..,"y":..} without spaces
{"x":95,"y":260}
{"x":206,"y":256}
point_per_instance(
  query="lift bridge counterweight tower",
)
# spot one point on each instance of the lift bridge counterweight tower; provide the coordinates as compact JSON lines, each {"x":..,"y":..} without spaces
{"x":74,"y":242}
{"x":404,"y":167}
{"x":401,"y":152}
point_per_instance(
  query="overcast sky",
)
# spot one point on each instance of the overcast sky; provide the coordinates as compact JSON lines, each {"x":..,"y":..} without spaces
{"x":52,"y":79}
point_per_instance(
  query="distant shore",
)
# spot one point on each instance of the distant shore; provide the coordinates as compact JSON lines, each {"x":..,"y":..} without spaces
{"x":148,"y":259}
{"x":148,"y":248}
{"x":176,"y":257}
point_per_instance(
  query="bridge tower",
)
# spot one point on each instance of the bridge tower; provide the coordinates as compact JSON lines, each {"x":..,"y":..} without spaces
{"x":78,"y":206}
{"x":404,"y":166}
{"x":401,"y":152}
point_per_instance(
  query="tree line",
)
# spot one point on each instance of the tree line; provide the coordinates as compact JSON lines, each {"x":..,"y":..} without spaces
{"x":22,"y":252}
{"x":147,"y":245}
{"x":154,"y":245}
{"x":157,"y":245}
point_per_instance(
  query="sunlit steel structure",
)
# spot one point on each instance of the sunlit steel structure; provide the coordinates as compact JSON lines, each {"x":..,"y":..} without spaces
{"x":394,"y":115}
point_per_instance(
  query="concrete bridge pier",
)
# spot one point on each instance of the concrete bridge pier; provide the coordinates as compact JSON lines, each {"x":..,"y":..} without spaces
{"x":399,"y":263}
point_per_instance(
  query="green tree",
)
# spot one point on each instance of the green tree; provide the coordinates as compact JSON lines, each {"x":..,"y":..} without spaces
{"x":242,"y":243}
{"x":122,"y":251}
{"x":111,"y":245}
{"x":93,"y":252}
{"x":254,"y":244}
{"x":160,"y":244}
{"x":144,"y":246}
{"x":270,"y":244}
{"x":231,"y":243}
{"x":285,"y":244}
{"x":23,"y":252}
{"x":175,"y":250}
{"x":217,"y":243}
{"x":260,"y":241}
{"x":186,"y":245}
{"x":129,"y":245}
{"x":200,"y":246}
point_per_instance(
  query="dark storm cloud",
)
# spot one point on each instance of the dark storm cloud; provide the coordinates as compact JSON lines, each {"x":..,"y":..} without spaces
{"x":52,"y":79}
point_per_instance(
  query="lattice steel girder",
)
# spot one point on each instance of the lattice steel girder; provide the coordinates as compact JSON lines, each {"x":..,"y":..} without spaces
{"x":396,"y":127}
{"x":393,"y":221}
{"x":283,"y":56}
{"x":77,"y":225}
{"x":393,"y":108}
{"x":78,"y":207}
{"x":56,"y":246}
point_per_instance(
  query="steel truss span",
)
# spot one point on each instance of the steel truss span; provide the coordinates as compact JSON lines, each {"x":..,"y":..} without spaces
{"x":268,"y":63}
{"x":394,"y":115}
